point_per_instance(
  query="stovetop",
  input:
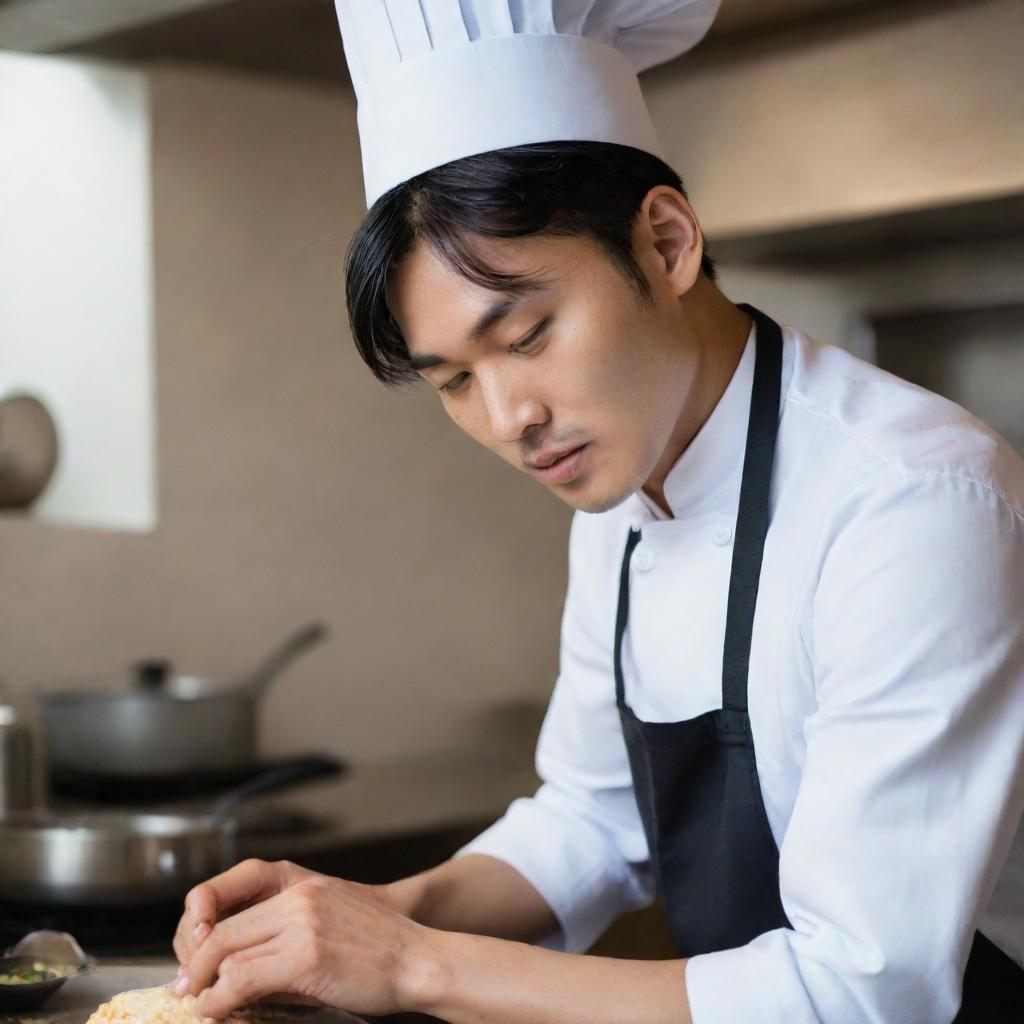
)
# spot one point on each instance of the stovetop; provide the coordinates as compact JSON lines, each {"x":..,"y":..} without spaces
{"x":81,"y":785}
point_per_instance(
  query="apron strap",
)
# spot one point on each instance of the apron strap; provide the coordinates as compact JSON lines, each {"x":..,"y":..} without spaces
{"x":622,"y":616}
{"x":752,"y":517}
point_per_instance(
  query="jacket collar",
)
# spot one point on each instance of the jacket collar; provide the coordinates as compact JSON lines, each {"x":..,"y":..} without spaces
{"x":703,"y":478}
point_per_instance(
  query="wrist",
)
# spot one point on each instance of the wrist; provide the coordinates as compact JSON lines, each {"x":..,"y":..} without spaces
{"x":406,"y":896}
{"x":425,"y":971}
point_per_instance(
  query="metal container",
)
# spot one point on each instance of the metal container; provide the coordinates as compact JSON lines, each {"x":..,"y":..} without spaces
{"x":167,"y":724}
{"x":114,"y":858}
{"x":142,"y":734}
{"x":16,"y":789}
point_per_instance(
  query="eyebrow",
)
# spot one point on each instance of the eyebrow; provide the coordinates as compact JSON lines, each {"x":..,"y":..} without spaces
{"x":509,"y":301}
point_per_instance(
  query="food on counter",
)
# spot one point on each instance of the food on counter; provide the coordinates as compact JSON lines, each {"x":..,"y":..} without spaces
{"x":39,"y":971}
{"x":162,"y":1006}
{"x":149,"y":1006}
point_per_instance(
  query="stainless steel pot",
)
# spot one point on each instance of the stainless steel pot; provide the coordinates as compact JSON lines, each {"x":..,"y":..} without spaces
{"x":168,"y":724}
{"x":99,"y":858}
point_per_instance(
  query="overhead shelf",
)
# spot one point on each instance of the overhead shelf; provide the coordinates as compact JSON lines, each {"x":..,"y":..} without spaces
{"x":842,"y":241}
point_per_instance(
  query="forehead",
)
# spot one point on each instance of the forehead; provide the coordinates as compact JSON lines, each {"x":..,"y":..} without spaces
{"x":431,"y":300}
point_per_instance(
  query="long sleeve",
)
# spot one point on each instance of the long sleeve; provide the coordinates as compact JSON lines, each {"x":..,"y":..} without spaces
{"x":579,"y":840}
{"x":913,"y":782}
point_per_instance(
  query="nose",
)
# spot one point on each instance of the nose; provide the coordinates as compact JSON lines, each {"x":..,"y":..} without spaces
{"x":512,"y":408}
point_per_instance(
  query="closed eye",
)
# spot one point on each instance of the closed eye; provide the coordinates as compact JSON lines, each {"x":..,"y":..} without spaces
{"x":454,"y":384}
{"x":528,"y":344}
{"x":533,"y":337}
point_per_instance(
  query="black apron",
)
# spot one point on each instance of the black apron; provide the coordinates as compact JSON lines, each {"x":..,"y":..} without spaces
{"x":697,"y":789}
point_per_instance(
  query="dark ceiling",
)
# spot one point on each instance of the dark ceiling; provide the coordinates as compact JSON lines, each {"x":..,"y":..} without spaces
{"x":300,"y":38}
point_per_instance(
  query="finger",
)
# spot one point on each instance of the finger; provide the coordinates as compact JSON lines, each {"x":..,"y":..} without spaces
{"x":172,"y":984}
{"x":188,"y":938}
{"x":193,"y":926}
{"x":250,"y":881}
{"x":245,"y":977}
{"x":235,"y":934}
{"x":181,"y":948}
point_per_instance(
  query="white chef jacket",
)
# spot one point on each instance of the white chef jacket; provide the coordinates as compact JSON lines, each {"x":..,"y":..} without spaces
{"x":886,"y":696}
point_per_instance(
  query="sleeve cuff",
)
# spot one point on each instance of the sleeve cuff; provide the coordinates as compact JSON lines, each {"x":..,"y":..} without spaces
{"x":746,"y":986}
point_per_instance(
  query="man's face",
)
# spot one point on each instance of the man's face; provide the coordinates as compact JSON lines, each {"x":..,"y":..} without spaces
{"x":577,"y":367}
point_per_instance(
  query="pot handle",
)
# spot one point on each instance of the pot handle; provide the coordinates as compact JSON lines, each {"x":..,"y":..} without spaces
{"x":281,"y":657}
{"x":280,"y":777}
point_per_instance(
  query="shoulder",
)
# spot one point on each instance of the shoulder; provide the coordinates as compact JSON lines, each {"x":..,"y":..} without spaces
{"x":922,"y":514}
{"x":876,"y":430}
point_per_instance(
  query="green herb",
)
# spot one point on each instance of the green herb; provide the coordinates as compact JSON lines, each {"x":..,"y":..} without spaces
{"x":34,"y":974}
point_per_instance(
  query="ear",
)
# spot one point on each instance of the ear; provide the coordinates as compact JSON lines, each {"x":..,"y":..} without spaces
{"x":669,"y":239}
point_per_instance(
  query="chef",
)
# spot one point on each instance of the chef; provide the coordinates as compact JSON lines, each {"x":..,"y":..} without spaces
{"x":791,"y":690}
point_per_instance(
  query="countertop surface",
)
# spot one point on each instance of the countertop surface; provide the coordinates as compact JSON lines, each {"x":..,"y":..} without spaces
{"x":80,"y":996}
{"x":378,"y":800}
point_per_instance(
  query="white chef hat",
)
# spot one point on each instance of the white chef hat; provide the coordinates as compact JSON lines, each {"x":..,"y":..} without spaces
{"x":438,"y":80}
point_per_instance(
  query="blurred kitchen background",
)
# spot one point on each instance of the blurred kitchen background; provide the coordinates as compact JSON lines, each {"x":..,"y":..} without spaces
{"x":178,"y":182}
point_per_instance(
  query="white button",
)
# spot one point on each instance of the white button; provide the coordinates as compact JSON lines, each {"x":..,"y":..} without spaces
{"x":643,"y":558}
{"x":722,"y":534}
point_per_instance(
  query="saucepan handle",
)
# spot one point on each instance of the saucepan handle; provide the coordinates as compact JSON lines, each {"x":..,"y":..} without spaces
{"x":280,"y":777}
{"x":282,"y":656}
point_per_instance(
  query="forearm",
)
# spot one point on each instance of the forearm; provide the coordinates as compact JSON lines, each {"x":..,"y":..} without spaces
{"x":468,"y":978}
{"x":477,"y":894}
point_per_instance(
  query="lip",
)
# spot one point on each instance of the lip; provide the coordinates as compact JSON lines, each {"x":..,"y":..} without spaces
{"x":565,"y":468}
{"x":548,"y":458}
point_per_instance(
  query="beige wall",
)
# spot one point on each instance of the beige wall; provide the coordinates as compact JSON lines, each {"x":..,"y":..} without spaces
{"x":292,"y":485}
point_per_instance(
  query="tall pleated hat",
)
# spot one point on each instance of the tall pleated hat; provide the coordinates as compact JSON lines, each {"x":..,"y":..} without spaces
{"x":439,"y":80}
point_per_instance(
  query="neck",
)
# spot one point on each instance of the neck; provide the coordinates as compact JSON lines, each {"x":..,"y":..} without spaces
{"x":717,"y":333}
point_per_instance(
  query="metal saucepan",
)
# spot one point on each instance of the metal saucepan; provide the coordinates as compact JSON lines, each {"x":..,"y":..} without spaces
{"x":168,"y":724}
{"x":99,"y":858}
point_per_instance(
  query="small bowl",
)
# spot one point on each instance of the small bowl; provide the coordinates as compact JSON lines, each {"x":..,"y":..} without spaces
{"x":53,"y":949}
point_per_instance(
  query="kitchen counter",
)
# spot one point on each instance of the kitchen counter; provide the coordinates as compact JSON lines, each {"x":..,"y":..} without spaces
{"x":78,"y":997}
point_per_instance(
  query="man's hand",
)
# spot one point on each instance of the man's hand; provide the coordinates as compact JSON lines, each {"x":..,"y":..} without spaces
{"x":265,"y":929}
{"x":249,"y":882}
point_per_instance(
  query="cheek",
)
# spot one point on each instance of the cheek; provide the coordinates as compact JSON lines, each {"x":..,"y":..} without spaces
{"x":470,"y":416}
{"x":601,"y":391}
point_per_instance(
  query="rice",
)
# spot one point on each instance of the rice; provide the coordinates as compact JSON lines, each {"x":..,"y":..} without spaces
{"x":149,"y":1006}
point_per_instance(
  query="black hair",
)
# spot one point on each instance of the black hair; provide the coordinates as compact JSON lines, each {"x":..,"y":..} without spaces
{"x":591,"y":189}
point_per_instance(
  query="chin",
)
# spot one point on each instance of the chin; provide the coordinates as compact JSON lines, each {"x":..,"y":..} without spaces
{"x":594,"y":502}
